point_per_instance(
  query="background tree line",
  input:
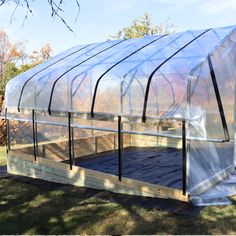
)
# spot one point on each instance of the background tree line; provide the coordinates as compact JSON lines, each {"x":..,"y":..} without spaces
{"x":14,"y":60}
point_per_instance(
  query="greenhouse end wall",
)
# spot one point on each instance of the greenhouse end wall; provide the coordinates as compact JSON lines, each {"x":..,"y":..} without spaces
{"x":209,"y":162}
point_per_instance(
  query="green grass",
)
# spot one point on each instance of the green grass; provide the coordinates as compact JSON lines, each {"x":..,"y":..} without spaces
{"x":3,"y":156}
{"x":27,"y":209}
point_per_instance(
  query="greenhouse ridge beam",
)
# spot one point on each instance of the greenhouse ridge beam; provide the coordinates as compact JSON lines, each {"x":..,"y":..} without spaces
{"x":23,"y":87}
{"x":54,"y":84}
{"x":99,"y":79}
{"x":158,"y":67}
{"x":218,"y":98}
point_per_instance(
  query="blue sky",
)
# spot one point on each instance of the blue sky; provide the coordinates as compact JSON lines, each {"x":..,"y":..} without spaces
{"x":100,"y":18}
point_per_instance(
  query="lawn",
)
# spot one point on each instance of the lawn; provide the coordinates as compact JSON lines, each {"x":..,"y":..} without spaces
{"x":3,"y":156}
{"x":28,"y":209}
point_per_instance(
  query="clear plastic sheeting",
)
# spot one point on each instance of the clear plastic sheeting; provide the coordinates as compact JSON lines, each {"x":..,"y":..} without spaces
{"x":52,"y":141}
{"x":153,"y":83}
{"x":68,"y":84}
{"x":219,"y":194}
{"x":209,"y":162}
{"x":21,"y":134}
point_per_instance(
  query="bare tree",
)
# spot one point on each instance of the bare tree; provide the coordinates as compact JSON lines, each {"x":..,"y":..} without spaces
{"x":56,"y":8}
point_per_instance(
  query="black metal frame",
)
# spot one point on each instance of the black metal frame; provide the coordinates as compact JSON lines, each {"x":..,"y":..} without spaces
{"x":54,"y":84}
{"x":135,"y":68}
{"x":8,"y":141}
{"x":184,"y":158}
{"x":73,"y":146}
{"x":23,"y":87}
{"x":158,"y":51}
{"x":117,"y":63}
{"x":36,"y":134}
{"x":158,"y":67}
{"x":218,"y":98}
{"x":34,"y":137}
{"x":87,"y":51}
{"x":69,"y":140}
{"x":120,"y":149}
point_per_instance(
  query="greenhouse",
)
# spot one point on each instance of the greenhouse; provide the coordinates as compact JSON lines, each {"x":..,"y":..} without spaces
{"x":151,"y":116}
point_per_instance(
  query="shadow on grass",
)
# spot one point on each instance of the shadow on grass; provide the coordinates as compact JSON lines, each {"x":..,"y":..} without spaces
{"x":29,"y":209}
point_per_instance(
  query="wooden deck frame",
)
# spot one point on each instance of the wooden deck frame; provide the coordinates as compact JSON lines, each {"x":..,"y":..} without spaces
{"x":24,"y":164}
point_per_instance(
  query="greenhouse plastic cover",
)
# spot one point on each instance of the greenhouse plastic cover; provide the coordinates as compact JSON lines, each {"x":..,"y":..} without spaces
{"x":68,"y":80}
{"x":219,"y":194}
{"x":161,"y":76}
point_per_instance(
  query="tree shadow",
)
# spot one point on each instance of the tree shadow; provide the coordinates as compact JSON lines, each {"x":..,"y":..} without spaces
{"x":41,"y":207}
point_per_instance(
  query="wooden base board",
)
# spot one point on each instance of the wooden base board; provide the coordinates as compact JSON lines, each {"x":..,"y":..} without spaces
{"x":152,"y":141}
{"x":24,"y":164}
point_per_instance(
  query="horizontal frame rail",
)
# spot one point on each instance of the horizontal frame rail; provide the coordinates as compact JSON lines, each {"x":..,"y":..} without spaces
{"x":130,"y":132}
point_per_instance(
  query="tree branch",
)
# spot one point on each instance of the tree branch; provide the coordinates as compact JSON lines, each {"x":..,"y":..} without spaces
{"x":57,"y":8}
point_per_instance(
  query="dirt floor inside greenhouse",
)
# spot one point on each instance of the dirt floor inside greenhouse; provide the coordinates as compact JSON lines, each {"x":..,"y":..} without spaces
{"x":160,"y":165}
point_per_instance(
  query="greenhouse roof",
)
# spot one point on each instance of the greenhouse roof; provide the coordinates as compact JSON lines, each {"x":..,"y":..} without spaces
{"x":142,"y":77}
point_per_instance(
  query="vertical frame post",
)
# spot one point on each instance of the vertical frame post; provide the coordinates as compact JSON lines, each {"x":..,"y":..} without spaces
{"x":120,"y":147}
{"x":218,"y":99}
{"x":8,"y":141}
{"x":34,"y":137}
{"x":69,"y":139}
{"x":73,"y":146}
{"x":36,"y":134}
{"x":184,"y":158}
